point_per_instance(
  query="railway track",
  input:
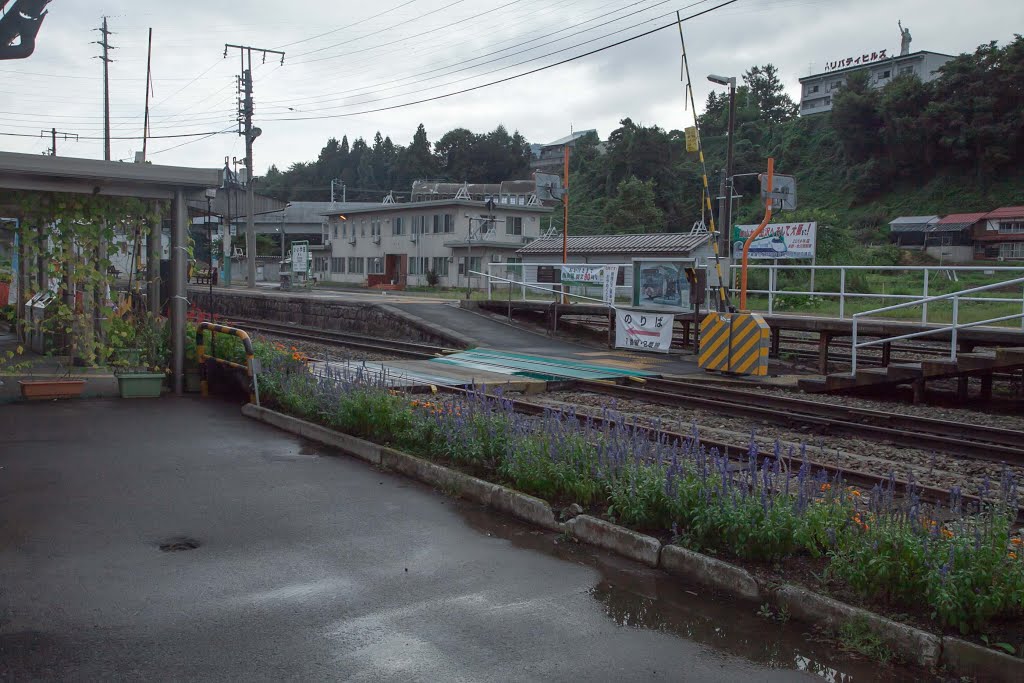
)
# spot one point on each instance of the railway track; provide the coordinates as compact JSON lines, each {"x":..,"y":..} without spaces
{"x":966,"y":440}
{"x":738,"y":453}
{"x":332,"y":337}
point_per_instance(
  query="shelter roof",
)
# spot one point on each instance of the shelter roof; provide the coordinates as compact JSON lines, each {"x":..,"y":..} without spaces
{"x":646,"y":243}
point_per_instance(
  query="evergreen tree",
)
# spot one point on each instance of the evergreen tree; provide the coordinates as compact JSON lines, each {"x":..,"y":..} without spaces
{"x":769,"y":95}
{"x":634,"y":208}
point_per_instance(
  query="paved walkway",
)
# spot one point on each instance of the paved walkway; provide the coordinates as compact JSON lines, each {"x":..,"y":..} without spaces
{"x":312,"y":567}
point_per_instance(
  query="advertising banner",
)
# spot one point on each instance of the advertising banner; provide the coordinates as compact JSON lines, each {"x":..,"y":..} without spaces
{"x":662,"y":284}
{"x":611,"y":275}
{"x":783,"y":241}
{"x":643,"y":331}
{"x":582,"y":274}
{"x":300,"y":257}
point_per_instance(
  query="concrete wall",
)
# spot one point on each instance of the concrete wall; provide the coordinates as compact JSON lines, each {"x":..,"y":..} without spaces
{"x":371,"y":319}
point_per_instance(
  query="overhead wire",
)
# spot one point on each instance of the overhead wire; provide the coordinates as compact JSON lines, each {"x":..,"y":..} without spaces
{"x":515,"y":76}
{"x":342,"y":28}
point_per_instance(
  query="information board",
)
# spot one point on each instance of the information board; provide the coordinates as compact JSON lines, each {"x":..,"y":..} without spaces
{"x":662,"y":285}
{"x":782,"y":241}
{"x":643,"y":331}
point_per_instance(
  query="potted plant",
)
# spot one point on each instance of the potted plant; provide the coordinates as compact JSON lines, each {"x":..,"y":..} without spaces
{"x":59,"y":326}
{"x":145,"y":378}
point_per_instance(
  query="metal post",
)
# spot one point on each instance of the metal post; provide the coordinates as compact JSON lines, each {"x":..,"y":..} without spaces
{"x":771,"y":287}
{"x":727,"y":224}
{"x":154,"y":247}
{"x":853,"y":347}
{"x":250,"y":196}
{"x":956,"y":321}
{"x":842,"y":292}
{"x":179,"y":237}
{"x":814,"y":267}
{"x":924,"y":306}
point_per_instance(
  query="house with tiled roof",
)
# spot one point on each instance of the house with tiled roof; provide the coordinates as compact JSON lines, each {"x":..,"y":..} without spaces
{"x":999,"y":235}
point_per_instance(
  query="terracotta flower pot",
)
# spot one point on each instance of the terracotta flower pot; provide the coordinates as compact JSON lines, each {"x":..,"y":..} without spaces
{"x":44,"y":389}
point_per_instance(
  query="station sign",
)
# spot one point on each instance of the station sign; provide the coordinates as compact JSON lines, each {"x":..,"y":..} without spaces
{"x":781,"y":241}
{"x":643,"y":330}
{"x":584,"y":275}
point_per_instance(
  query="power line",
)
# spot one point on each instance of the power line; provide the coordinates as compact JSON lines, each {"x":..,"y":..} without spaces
{"x":133,"y":137}
{"x":466,"y":61}
{"x":342,"y":28}
{"x":514,"y":77}
{"x":367,"y":35}
{"x":512,"y":54}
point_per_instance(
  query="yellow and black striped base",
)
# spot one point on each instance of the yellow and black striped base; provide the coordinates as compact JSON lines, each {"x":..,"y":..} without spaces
{"x":736,"y":343}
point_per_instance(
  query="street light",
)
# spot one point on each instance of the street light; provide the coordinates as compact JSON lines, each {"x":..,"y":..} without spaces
{"x":725,"y":215}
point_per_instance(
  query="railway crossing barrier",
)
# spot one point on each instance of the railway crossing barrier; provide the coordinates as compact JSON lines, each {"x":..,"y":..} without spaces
{"x":251,"y":366}
{"x":736,"y":343}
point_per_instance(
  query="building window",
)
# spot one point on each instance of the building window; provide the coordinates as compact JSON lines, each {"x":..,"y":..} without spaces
{"x":355,"y":265}
{"x":514,"y":225}
{"x":362,"y":227}
{"x":837,"y":84}
{"x":885,"y":74}
{"x":335,"y":231}
{"x":437,"y":223}
{"x":375,"y":227}
{"x":1012,"y":250}
{"x":419,"y":265}
{"x":449,"y":223}
{"x":1011,"y":227}
{"x":522,"y":200}
{"x":397,"y":226}
{"x":344,"y":230}
{"x":337,"y":264}
{"x":375,"y":265}
{"x":811,"y":89}
{"x":828,"y":101}
{"x":904,"y":70}
{"x":440,"y":266}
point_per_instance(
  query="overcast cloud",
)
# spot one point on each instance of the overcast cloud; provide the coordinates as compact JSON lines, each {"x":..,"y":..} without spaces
{"x":380,"y":58}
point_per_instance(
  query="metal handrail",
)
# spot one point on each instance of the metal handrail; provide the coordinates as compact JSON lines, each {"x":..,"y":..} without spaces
{"x":532,"y":286}
{"x":251,"y":366}
{"x":952,"y":328}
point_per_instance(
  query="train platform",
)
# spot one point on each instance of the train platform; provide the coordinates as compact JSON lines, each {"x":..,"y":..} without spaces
{"x":174,"y":539}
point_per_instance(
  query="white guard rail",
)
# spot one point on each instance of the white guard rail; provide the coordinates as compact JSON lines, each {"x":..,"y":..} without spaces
{"x":532,"y":285}
{"x":952,"y":328}
{"x":535,"y":286}
{"x":929,"y":275}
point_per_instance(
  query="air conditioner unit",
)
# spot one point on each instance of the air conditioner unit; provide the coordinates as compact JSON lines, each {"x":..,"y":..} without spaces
{"x":413,"y":237}
{"x":1001,"y":259}
{"x":376,"y":239}
{"x":352,"y":240}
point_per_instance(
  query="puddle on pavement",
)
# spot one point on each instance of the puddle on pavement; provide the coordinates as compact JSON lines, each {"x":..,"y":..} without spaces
{"x":634,"y":596}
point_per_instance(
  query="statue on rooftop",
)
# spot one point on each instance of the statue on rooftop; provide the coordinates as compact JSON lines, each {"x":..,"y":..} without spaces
{"x":904,"y":39}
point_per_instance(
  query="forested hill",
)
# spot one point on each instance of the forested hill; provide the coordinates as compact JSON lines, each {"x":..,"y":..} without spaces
{"x":955,"y":144}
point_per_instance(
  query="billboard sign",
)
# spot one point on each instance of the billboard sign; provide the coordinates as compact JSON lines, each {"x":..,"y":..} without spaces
{"x":643,"y":330}
{"x":782,"y":241}
{"x":662,"y":285}
{"x":582,"y":274}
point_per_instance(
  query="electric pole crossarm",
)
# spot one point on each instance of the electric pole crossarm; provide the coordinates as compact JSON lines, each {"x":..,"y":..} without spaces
{"x":53,"y":133}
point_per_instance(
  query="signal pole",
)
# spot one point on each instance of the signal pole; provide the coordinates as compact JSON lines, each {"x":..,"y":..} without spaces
{"x":105,"y":44}
{"x":245,"y":111}
{"x":53,"y":133}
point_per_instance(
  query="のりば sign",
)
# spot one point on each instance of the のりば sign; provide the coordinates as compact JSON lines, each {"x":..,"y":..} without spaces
{"x":642,"y":331}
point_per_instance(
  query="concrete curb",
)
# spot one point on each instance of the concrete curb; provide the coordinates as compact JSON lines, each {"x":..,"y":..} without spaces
{"x":710,"y":572}
{"x":527,"y":508}
{"x":364,"y":450}
{"x":911,"y":643}
{"x":968,"y":659}
{"x":454,"y":337}
{"x":625,"y":542}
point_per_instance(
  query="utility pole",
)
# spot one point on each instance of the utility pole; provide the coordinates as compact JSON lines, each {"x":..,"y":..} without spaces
{"x":149,"y":88}
{"x":53,"y":133}
{"x":565,"y":216}
{"x":105,"y":44}
{"x":245,"y":111}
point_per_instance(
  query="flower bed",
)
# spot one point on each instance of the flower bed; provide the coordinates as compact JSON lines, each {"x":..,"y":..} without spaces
{"x":967,"y":571}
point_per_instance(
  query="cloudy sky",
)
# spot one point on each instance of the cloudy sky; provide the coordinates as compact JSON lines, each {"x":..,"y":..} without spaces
{"x":345,"y":59}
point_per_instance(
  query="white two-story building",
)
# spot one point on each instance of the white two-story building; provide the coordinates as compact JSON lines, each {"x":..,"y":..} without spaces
{"x":397,"y":245}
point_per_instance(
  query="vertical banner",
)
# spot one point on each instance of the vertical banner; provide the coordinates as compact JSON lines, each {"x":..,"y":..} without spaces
{"x":611,"y":276}
{"x":643,"y":331}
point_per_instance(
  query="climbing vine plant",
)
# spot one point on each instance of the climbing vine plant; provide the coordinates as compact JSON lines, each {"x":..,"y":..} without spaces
{"x":72,"y":235}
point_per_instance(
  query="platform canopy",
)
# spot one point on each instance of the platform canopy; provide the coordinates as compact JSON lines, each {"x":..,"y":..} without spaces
{"x":36,"y":172}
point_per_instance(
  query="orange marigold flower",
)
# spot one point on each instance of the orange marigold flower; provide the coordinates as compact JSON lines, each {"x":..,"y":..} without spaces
{"x":826,"y":487}
{"x":295,"y":348}
{"x":1015,"y":541}
{"x":855,"y":492}
{"x":1012,"y":556}
{"x":947,"y":533}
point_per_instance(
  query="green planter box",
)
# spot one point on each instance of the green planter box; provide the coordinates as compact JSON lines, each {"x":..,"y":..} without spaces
{"x":140,"y":384}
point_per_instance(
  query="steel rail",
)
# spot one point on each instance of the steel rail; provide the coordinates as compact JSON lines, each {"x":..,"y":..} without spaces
{"x":955,"y":438}
{"x":364,"y":342}
{"x":851,"y":477}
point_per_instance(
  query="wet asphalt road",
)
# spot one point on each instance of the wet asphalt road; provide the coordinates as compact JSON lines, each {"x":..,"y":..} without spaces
{"x":309,"y":566}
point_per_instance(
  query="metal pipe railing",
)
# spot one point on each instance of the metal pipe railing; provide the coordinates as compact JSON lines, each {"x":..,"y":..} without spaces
{"x":953,"y":328}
